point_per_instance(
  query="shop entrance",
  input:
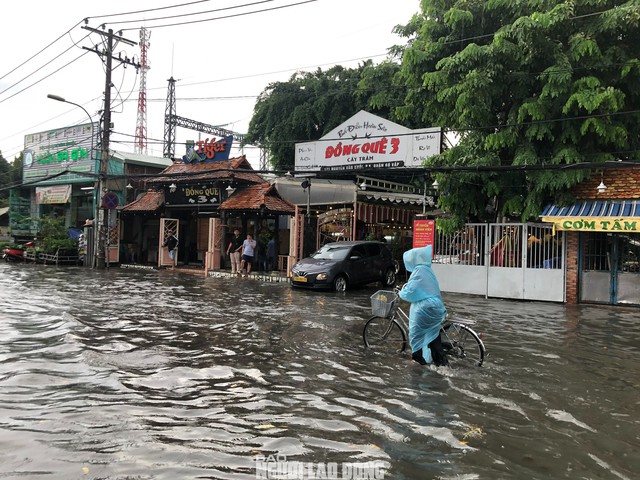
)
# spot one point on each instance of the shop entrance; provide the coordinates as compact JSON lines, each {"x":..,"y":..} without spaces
{"x":610,"y":268}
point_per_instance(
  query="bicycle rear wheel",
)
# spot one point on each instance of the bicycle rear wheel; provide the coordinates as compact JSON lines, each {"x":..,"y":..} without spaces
{"x":384,"y":335}
{"x":463,"y":346}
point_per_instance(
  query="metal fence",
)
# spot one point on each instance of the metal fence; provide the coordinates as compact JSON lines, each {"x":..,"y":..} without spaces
{"x":514,"y":245}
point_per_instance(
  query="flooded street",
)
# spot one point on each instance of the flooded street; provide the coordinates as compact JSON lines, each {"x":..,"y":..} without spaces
{"x":124,"y":374}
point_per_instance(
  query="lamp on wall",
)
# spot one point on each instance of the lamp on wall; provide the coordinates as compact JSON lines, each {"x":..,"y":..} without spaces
{"x":602,"y":187}
{"x":129,"y":186}
{"x":435,"y":185}
{"x":172,"y":187}
{"x":288,"y":174}
{"x":363,"y":185}
{"x":229,"y":190}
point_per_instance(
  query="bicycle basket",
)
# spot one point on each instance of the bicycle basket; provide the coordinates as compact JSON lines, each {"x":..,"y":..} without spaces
{"x":382,"y":302}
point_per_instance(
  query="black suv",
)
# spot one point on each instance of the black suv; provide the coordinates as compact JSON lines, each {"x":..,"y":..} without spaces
{"x":340,"y":265}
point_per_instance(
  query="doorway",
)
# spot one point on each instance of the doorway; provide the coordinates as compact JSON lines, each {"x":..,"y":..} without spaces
{"x":610,"y":268}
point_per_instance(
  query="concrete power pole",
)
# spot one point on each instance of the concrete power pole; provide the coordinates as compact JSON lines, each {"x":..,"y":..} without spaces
{"x":107,"y":54}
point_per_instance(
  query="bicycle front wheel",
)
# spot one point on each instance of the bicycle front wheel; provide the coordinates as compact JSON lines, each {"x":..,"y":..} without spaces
{"x":384,"y":335}
{"x":463,"y":346}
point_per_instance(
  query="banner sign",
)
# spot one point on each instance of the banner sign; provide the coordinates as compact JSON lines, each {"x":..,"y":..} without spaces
{"x":368,"y":141}
{"x":53,"y":194}
{"x":204,"y":151}
{"x":192,"y":196}
{"x":423,"y":233}
{"x":55,"y":151}
{"x":595,"y":224}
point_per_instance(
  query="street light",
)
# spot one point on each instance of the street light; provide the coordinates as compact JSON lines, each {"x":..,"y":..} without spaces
{"x":96,"y":188}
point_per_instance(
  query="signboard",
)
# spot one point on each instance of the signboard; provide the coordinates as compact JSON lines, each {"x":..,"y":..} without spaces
{"x":53,"y":194}
{"x":368,"y":141}
{"x":595,"y":224}
{"x":54,"y":151}
{"x":204,"y":151}
{"x":423,"y":233}
{"x":110,"y":200}
{"x":192,"y":196}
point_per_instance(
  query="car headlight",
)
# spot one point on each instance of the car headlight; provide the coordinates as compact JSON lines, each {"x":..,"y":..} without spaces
{"x":322,"y":276}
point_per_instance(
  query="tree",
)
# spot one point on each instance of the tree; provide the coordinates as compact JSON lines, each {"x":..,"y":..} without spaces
{"x":311,"y":104}
{"x":5,"y":180}
{"x":10,"y":177}
{"x":523,"y":83}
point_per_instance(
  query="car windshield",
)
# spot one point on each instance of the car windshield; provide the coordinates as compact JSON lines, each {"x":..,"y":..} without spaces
{"x":332,"y":252}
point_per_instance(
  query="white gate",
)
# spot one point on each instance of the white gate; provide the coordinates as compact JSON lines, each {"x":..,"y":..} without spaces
{"x":507,"y":260}
{"x":168,"y":226}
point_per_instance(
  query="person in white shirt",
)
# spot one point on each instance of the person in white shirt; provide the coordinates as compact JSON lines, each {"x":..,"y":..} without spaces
{"x":248,"y":247}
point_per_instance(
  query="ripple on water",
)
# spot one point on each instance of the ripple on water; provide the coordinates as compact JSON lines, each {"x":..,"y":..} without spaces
{"x":192,"y":378}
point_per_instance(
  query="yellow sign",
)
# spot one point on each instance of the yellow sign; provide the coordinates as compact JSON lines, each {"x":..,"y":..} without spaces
{"x":595,"y":224}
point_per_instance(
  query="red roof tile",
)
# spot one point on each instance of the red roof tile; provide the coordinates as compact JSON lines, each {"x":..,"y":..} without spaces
{"x":234,"y":169}
{"x":254,"y":196}
{"x":149,"y":202}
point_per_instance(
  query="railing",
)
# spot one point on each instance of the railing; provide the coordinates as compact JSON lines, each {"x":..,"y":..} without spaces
{"x":501,"y":245}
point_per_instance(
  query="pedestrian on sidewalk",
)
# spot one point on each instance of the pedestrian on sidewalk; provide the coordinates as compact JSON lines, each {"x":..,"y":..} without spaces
{"x":233,"y":250}
{"x":248,"y":248}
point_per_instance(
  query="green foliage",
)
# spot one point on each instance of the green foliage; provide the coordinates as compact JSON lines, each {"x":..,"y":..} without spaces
{"x":52,"y":235}
{"x":10,"y":176}
{"x":523,"y":83}
{"x":310,"y":105}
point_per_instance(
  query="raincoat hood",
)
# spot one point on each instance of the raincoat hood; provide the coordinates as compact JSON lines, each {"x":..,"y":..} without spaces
{"x":417,"y":256}
{"x":423,"y":292}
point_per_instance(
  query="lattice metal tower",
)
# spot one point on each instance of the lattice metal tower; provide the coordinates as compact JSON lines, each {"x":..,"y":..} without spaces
{"x":141,"y":124}
{"x":170,"y":121}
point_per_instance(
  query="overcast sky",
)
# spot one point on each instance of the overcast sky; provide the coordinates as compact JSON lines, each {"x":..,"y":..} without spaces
{"x":221,"y":65}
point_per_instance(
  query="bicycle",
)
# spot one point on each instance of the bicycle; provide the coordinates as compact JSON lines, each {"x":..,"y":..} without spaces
{"x":387,"y":331}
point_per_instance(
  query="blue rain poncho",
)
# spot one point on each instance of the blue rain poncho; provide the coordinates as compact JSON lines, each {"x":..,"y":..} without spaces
{"x":423,"y":292}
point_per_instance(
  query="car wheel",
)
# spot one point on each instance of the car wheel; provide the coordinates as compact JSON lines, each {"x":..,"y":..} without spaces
{"x":396,"y":266}
{"x":389,"y":277}
{"x":340,"y":283}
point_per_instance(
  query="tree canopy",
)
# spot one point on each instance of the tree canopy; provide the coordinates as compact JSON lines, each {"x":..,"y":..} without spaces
{"x":530,"y":87}
{"x":311,"y":104}
{"x":523,"y":83}
{"x":10,"y":176}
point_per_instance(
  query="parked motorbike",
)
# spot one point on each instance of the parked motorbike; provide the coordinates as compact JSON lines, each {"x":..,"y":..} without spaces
{"x":15,"y":254}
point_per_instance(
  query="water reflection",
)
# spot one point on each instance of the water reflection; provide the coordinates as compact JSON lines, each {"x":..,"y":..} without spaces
{"x":125,"y":374}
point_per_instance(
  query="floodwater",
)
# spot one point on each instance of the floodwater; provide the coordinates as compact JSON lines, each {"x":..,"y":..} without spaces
{"x":125,"y":374}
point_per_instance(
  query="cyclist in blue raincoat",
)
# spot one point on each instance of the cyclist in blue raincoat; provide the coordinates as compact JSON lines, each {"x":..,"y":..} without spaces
{"x":427,"y":309}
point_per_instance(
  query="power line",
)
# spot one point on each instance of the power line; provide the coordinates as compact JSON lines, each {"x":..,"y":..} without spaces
{"x":191,"y":14}
{"x":39,"y":52}
{"x":38,"y":69}
{"x":149,"y":10}
{"x":224,"y":17}
{"x":44,"y":78}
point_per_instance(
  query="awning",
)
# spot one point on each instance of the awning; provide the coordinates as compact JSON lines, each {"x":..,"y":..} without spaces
{"x":389,"y":197}
{"x":595,"y":216}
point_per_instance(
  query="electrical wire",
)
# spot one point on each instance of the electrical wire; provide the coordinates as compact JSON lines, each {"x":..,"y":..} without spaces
{"x":44,"y":78}
{"x":155,"y":27}
{"x":147,"y":20}
{"x":149,"y":10}
{"x":38,"y":69}
{"x":39,"y":52}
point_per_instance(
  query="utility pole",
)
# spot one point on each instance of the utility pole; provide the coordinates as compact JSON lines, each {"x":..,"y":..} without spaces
{"x":106,"y":53}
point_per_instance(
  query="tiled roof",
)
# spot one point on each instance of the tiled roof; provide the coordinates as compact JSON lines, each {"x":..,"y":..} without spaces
{"x":254,"y":196}
{"x":595,"y":208}
{"x":149,"y":202}
{"x":234,"y":169}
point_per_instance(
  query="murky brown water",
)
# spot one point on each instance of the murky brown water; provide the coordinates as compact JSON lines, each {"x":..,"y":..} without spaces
{"x":147,"y":375}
